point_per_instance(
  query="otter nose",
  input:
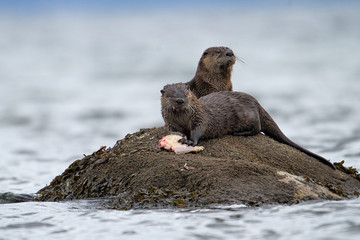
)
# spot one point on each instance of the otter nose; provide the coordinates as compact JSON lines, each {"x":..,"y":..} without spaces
{"x":229,"y":54}
{"x":179,"y":101}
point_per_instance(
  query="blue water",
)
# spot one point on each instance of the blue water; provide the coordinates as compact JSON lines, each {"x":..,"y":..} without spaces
{"x":71,"y":83}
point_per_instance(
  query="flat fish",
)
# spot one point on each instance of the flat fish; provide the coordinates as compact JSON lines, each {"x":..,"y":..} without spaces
{"x":171,"y":143}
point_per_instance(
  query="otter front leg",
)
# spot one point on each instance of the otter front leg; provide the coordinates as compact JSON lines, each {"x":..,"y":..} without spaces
{"x":195,"y":135}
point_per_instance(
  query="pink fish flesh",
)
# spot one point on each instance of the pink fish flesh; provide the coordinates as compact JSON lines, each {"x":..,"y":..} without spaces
{"x":171,"y":143}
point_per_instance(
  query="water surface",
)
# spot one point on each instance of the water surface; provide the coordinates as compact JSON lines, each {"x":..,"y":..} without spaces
{"x":72,"y":83}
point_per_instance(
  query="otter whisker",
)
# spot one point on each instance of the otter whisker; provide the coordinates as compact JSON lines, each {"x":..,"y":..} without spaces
{"x":240,"y":60}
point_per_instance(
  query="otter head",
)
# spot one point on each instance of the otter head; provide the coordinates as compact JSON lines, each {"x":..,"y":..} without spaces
{"x":218,"y":59}
{"x":177,"y":98}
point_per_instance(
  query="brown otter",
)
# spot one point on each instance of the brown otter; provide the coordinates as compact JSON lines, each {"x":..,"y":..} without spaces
{"x":213,"y":73}
{"x":218,"y":114}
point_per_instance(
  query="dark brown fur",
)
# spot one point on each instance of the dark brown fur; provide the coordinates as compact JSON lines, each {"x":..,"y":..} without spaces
{"x":213,"y":73}
{"x":218,"y":114}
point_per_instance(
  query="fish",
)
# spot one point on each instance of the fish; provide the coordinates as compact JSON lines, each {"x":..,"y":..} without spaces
{"x":171,"y":143}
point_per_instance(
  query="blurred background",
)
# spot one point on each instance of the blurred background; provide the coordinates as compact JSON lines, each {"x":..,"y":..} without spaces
{"x":77,"y":75}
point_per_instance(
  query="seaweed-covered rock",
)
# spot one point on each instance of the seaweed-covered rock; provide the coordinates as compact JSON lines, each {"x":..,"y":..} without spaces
{"x":254,"y":170}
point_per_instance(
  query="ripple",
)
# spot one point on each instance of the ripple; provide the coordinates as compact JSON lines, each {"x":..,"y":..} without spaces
{"x":15,"y":120}
{"x":129,"y":232}
{"x":206,"y":237}
{"x":353,"y":227}
{"x":27,"y":152}
{"x":27,"y":225}
{"x":101,"y":114}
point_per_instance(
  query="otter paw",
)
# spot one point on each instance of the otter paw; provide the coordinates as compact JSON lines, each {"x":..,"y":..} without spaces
{"x":185,"y":141}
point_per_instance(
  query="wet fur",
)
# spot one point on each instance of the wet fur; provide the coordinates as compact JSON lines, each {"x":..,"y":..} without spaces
{"x":213,"y":73}
{"x":218,"y":114}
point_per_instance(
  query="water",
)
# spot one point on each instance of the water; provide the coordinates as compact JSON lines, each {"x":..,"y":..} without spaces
{"x":71,"y":83}
{"x":322,"y":220}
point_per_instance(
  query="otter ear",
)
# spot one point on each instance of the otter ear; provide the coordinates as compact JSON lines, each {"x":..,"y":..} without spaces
{"x":205,"y":53}
{"x":162,"y":92}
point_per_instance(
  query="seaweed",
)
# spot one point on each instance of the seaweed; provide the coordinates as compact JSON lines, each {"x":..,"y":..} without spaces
{"x":348,"y":170}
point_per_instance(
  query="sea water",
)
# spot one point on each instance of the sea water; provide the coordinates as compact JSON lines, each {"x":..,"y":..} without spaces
{"x":71,"y":83}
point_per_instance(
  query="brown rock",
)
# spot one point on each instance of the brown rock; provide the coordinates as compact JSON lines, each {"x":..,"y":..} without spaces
{"x":231,"y":170}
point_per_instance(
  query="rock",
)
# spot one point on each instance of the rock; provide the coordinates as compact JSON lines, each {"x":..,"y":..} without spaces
{"x":254,"y":170}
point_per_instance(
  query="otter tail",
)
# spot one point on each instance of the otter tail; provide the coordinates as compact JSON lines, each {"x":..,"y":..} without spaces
{"x":270,"y":128}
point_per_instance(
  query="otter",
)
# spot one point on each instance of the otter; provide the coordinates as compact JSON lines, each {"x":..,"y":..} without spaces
{"x":218,"y":114}
{"x":213,"y":73}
